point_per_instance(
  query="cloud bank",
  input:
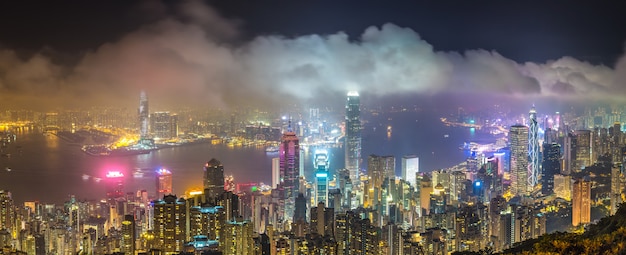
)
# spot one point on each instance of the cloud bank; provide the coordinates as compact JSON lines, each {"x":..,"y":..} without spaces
{"x":187,"y":58}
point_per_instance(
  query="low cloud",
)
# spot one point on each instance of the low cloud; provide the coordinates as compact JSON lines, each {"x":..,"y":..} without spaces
{"x":186,"y":58}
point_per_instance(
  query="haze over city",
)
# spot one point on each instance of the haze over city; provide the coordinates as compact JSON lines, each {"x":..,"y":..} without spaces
{"x":337,"y":128}
{"x":242,"y":54}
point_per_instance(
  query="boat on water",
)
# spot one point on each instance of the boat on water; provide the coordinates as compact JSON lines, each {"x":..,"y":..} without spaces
{"x":101,"y":150}
{"x":271,"y":149}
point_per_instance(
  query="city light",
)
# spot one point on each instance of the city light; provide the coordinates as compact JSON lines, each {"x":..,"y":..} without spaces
{"x":114,"y":174}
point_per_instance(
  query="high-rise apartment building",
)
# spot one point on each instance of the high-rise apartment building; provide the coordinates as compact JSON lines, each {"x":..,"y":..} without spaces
{"x":213,"y":180}
{"x":170,"y":221}
{"x":128,"y":235}
{"x":518,"y":139}
{"x":617,"y":180}
{"x":581,"y":202}
{"x":353,"y":136}
{"x":237,"y":238}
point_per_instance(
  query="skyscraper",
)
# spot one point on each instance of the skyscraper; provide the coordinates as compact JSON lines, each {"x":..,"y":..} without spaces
{"x":616,"y":188}
{"x":144,"y":114}
{"x":518,"y":138}
{"x":583,"y":150}
{"x":164,"y":125}
{"x":213,"y":179}
{"x":533,"y":149}
{"x":551,"y":166}
{"x":163,"y":182}
{"x":289,"y":152}
{"x":581,"y":202}
{"x":410,"y":168}
{"x":114,"y":184}
{"x":353,"y":135}
{"x":170,"y":219}
{"x":128,"y":235}
{"x":321,"y":176}
{"x":380,"y":168}
{"x":275,"y":172}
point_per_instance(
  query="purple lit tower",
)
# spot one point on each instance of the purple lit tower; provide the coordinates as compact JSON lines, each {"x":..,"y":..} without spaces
{"x":163,"y":183}
{"x":289,"y":170}
{"x":143,"y":116}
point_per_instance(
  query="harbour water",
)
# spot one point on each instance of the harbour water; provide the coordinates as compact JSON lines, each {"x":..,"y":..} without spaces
{"x":48,"y":169}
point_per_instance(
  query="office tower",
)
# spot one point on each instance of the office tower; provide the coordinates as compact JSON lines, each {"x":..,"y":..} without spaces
{"x":581,"y":202}
{"x":213,"y":180}
{"x":410,"y":168}
{"x":128,"y":235}
{"x":321,"y":176}
{"x":237,"y":238}
{"x":170,"y":221}
{"x":143,"y":116}
{"x":289,"y":152}
{"x":380,"y":168}
{"x":322,"y":220}
{"x":583,"y":150}
{"x":551,"y":166}
{"x":163,"y":182}
{"x":617,"y":179}
{"x":164,"y":125}
{"x":275,"y":172}
{"x":321,"y":186}
{"x":533,"y":149}
{"x":518,"y":139}
{"x":563,"y":186}
{"x":114,"y":184}
{"x":353,"y":136}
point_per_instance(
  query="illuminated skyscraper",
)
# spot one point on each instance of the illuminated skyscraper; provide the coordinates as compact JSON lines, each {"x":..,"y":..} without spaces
{"x":213,"y":180}
{"x":163,"y":182}
{"x":170,"y":221}
{"x":617,"y":178}
{"x":164,"y":125}
{"x":114,"y":184}
{"x":581,"y":202}
{"x":583,"y":150}
{"x":518,"y":138}
{"x":289,"y":169}
{"x":321,"y":176}
{"x":6,"y":210}
{"x":128,"y":235}
{"x":533,"y":149}
{"x":353,"y":136}
{"x":144,"y":114}
{"x":380,"y":168}
{"x":410,"y":168}
{"x":237,"y":238}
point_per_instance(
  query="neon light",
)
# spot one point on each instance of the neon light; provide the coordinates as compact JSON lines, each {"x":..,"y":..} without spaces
{"x":114,"y":174}
{"x":321,"y":175}
{"x":163,"y":171}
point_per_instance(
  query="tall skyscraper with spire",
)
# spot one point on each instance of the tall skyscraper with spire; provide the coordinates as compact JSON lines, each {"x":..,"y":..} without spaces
{"x":144,"y":114}
{"x":518,"y":139}
{"x":289,"y":154}
{"x":353,"y":135}
{"x":533,"y":149}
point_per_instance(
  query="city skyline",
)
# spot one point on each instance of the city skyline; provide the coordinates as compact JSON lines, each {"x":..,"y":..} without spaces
{"x":192,"y":51}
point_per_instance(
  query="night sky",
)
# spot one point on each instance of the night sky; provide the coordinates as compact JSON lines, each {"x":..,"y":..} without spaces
{"x":231,"y":53}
